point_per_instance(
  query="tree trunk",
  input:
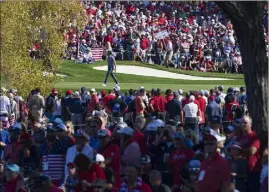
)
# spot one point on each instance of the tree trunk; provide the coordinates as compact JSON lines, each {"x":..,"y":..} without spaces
{"x":246,"y":18}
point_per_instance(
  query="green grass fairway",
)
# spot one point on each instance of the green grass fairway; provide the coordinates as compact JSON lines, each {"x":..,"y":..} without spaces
{"x":79,"y":75}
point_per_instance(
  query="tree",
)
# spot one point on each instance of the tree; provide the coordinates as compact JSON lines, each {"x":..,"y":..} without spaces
{"x":23,"y":23}
{"x":246,"y":17}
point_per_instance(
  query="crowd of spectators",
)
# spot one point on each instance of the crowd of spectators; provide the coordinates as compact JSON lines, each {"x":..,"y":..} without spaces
{"x":140,"y":141}
{"x":184,"y":35}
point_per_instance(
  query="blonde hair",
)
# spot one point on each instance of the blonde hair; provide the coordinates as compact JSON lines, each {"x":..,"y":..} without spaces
{"x":71,"y":126}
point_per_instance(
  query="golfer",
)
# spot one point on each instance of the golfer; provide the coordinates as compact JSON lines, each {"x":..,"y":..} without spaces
{"x":111,"y":66}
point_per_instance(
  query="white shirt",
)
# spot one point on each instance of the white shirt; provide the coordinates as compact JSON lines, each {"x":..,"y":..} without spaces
{"x":72,"y":153}
{"x":169,"y":46}
{"x":4,"y":104}
{"x":190,"y":110}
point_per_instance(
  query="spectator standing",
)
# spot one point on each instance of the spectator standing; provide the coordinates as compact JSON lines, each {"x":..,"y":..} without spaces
{"x":50,"y":102}
{"x":53,"y":159}
{"x":159,"y":104}
{"x":130,"y":151}
{"x":191,"y":115}
{"x":215,"y":171}
{"x":111,"y":153}
{"x":174,"y":110}
{"x":76,"y":109}
{"x":93,"y":102}
{"x":4,"y":140}
{"x":250,"y":143}
{"x":213,"y":109}
{"x":65,"y":103}
{"x":81,"y":147}
{"x":37,"y":105}
{"x":5,"y":108}
{"x":178,"y":157}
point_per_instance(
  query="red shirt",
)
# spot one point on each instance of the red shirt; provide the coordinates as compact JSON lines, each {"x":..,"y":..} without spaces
{"x":213,"y":172}
{"x":10,"y":186}
{"x":140,"y":139}
{"x":144,"y":43}
{"x":88,"y":176}
{"x":107,"y":99}
{"x":93,"y":102}
{"x":109,"y":39}
{"x":177,"y":159}
{"x":252,"y":140}
{"x":113,"y":151}
{"x":228,"y":110}
{"x":95,"y":168}
{"x":159,"y":103}
{"x":162,"y":20}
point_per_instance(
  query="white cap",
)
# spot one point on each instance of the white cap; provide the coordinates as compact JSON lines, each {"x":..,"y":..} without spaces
{"x":141,"y":88}
{"x":76,"y":94}
{"x":126,"y":131}
{"x":180,"y":91}
{"x":117,"y":88}
{"x":92,"y":90}
{"x":217,"y":136}
{"x":192,"y":98}
{"x":152,"y":127}
{"x":99,"y":158}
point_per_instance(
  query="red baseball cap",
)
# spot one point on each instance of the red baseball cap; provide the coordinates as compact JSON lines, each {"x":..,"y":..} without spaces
{"x":69,"y":92}
{"x":103,"y":92}
{"x":54,"y":91}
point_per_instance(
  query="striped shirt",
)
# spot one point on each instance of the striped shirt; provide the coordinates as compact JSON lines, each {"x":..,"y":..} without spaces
{"x":53,"y":160}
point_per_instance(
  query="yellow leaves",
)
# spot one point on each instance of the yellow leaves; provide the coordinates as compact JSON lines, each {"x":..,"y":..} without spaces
{"x":22,"y":23}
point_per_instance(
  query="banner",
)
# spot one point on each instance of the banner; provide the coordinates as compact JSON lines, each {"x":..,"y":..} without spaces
{"x":161,"y":35}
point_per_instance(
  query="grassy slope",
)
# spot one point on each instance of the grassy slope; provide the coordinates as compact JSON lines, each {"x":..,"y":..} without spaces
{"x":79,"y":75}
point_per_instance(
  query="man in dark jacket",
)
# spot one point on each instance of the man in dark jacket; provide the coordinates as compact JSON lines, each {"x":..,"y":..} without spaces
{"x":65,"y":102}
{"x":50,"y":102}
{"x":173,"y":108}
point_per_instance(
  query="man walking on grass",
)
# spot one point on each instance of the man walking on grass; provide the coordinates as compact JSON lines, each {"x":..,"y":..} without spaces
{"x":111,"y":64}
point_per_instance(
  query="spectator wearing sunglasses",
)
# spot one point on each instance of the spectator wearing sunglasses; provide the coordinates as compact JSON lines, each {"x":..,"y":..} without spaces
{"x":250,"y":143}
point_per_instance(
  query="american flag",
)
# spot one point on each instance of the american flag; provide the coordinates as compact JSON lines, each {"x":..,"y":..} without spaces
{"x":97,"y":53}
{"x":56,"y":166}
{"x":55,"y":159}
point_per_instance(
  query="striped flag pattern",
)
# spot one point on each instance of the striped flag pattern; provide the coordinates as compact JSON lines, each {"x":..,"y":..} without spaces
{"x":97,"y":53}
{"x":56,"y":164}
